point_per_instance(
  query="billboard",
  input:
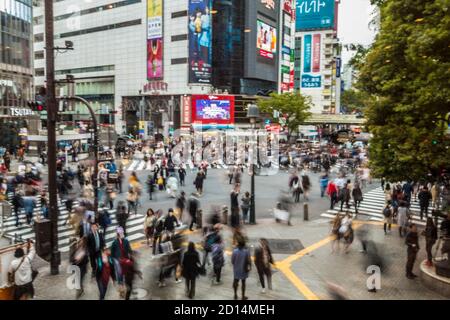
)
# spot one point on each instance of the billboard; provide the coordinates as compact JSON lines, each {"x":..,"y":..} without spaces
{"x":200,"y":41}
{"x":155,"y":43}
{"x":213,"y":109}
{"x":266,"y":40}
{"x":311,"y":71}
{"x":315,"y":14}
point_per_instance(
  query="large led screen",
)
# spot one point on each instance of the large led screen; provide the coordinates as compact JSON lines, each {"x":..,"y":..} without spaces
{"x":266,"y":40}
{"x":213,"y":109}
{"x":155,"y":57}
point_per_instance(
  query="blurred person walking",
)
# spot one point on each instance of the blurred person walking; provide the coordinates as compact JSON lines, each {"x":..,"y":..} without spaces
{"x":263,"y":261}
{"x":241,"y":267}
{"x":190,"y":269}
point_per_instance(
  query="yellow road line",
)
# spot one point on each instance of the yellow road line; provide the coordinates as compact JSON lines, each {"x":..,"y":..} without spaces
{"x":300,"y":285}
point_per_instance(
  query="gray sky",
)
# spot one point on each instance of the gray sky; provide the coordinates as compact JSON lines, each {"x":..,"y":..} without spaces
{"x":354,"y":17}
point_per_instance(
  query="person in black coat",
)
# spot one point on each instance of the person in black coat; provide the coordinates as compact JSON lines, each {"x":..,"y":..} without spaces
{"x":182,"y":175}
{"x":193,"y":206}
{"x":190,"y":269}
{"x":95,"y":244}
{"x":199,"y":182}
{"x":17,"y":203}
{"x":431,"y":235}
{"x":412,"y":241}
{"x":263,"y":260}
{"x":170,"y":222}
{"x":424,"y":201}
{"x":234,"y":198}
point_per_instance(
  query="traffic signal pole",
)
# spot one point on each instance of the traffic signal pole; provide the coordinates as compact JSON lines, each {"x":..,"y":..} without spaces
{"x":55,"y":259}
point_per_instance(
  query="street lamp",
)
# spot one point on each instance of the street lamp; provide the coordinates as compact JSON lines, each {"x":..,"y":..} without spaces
{"x":253,"y":115}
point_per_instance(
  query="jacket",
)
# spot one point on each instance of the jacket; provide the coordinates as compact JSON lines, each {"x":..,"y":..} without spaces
{"x":116,"y":253}
{"x":241,"y":263}
{"x":357,"y":194}
{"x":259,"y":258}
{"x":412,"y":241}
{"x":424,"y":197}
{"x":91,"y":242}
{"x":191,"y":265}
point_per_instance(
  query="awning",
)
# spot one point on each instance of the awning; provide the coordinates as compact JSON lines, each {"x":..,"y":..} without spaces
{"x":335,"y":119}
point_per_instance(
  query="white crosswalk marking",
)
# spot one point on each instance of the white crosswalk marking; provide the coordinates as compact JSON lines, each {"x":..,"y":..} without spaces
{"x":372,"y":207}
{"x":65,"y":232}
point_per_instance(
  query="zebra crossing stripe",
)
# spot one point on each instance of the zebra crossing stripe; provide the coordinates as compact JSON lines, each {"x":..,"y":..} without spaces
{"x":142,"y":164}
{"x":372,"y":207}
{"x":133,"y":165}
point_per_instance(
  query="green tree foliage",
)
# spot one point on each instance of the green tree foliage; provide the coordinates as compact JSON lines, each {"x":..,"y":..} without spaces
{"x":355,"y":100}
{"x":293,"y":105}
{"x":407,"y":72}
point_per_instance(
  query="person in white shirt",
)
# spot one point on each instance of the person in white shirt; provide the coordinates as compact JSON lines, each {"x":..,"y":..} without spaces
{"x":21,"y":268}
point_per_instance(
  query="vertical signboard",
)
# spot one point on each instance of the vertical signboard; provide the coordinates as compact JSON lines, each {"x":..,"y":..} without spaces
{"x":287,"y":45}
{"x":307,"y":42}
{"x":315,"y":14}
{"x":200,"y":41}
{"x":186,"y":103}
{"x":316,"y":53}
{"x":311,"y":77}
{"x":155,"y":43}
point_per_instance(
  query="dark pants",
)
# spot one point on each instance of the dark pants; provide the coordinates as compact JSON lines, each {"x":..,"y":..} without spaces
{"x":385,"y":226}
{"x":119,"y":185}
{"x":193,"y":220}
{"x":102,"y":288}
{"x":129,"y":284}
{"x":346,"y":204}
{"x":412,"y":254}
{"x":236,"y":285}
{"x":429,"y":247}
{"x":181,"y":181}
{"x":423,"y":208}
{"x":333,"y":202}
{"x":92,"y":260}
{"x":17,"y":212}
{"x":217,"y":272}
{"x":156,"y":241}
{"x":231,"y":179}
{"x":322,"y":191}
{"x":297,"y":196}
{"x":262,"y":273}
{"x":205,"y":258}
{"x":190,"y":288}
{"x":111,"y":204}
{"x":357,"y":204}
{"x":245,"y":213}
{"x":29,"y":215}
{"x":69,"y":204}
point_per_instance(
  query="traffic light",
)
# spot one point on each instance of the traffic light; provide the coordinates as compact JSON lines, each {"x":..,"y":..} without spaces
{"x":38,"y":104}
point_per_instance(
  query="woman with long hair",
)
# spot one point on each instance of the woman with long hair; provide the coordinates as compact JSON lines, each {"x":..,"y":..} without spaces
{"x":149,"y":225}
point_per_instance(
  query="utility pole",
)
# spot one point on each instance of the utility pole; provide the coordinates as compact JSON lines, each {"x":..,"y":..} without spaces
{"x":55,"y":259}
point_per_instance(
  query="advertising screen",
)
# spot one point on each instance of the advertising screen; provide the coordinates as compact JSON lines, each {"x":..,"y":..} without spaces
{"x":200,"y":41}
{"x":266,"y":40}
{"x":314,"y":14}
{"x":213,"y":109}
{"x":155,"y":43}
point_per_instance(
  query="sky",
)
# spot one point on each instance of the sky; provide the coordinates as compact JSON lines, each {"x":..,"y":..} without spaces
{"x":354,"y":17}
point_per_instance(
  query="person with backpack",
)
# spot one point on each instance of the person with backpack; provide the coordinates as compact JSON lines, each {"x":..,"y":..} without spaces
{"x":21,"y":273}
{"x":218,"y":259}
{"x":387,"y":213}
{"x":210,"y":239}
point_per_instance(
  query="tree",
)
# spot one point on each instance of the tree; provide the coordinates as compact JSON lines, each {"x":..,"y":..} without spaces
{"x":355,"y":100}
{"x":407,"y":72}
{"x":294,"y":106}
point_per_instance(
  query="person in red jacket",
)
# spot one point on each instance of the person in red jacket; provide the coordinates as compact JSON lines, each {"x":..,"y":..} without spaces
{"x":332,"y":192}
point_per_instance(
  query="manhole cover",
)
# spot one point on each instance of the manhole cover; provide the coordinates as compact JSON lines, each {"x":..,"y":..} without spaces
{"x":285,"y":246}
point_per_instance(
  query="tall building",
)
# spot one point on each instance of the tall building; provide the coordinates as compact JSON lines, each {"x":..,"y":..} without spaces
{"x":158,"y":64}
{"x":16,"y":71}
{"x":317,"y":54}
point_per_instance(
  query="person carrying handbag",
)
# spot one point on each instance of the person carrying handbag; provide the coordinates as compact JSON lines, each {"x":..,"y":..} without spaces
{"x":22,"y":274}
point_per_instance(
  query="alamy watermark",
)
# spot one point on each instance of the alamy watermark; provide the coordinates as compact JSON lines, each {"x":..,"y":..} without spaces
{"x":374,"y":280}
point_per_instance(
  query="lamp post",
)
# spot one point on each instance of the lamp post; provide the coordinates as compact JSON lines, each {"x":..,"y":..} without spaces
{"x":253,"y":115}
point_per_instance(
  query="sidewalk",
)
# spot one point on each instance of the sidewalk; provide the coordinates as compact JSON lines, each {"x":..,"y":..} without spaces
{"x":302,"y":275}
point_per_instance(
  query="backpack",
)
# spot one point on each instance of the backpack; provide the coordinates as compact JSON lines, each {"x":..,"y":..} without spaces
{"x":387,"y":212}
{"x":209,"y":241}
{"x":160,"y":181}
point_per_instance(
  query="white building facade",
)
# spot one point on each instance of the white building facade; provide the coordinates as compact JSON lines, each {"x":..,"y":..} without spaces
{"x":109,"y":60}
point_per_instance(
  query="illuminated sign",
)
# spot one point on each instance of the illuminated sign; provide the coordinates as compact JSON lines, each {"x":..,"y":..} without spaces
{"x":266,"y":40}
{"x":155,"y":43}
{"x":16,"y":112}
{"x":213,"y":109}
